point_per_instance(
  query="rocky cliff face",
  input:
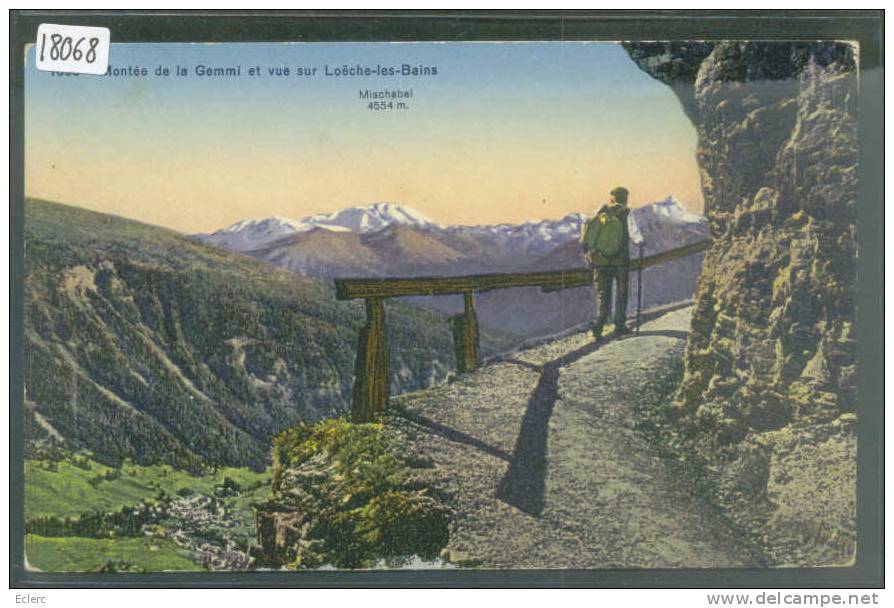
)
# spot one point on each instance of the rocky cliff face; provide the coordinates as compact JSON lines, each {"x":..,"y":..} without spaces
{"x":770,"y":363}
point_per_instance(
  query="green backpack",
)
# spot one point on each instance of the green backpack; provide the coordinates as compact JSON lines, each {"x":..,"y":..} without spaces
{"x":604,"y":234}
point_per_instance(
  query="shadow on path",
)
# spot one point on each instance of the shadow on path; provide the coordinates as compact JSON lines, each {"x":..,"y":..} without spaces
{"x":454,"y":435}
{"x":523,"y":484}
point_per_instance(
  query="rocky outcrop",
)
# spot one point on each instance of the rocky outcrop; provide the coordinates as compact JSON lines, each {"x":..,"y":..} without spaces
{"x":770,"y":363}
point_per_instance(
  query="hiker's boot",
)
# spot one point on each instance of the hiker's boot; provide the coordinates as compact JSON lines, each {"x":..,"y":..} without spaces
{"x":597,"y":333}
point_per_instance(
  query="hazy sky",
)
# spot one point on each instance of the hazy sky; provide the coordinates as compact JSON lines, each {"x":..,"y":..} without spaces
{"x":503,"y":133}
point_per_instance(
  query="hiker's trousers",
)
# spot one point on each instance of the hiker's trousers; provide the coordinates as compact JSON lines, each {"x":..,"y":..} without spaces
{"x":603,"y":277}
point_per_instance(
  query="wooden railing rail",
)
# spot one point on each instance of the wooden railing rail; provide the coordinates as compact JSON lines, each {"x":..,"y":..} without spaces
{"x":371,"y":382}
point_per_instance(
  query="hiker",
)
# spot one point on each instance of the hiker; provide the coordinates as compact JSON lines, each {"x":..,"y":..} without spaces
{"x":605,"y":240}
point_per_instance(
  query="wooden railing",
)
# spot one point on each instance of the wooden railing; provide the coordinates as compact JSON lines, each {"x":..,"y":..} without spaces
{"x":371,"y":380}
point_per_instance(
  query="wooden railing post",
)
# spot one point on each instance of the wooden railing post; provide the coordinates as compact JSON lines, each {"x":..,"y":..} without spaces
{"x":465,"y":336}
{"x":371,"y":381}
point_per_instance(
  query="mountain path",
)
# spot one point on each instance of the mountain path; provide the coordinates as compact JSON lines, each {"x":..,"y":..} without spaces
{"x":545,"y":467}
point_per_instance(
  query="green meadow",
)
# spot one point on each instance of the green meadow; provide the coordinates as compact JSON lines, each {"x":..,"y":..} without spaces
{"x":64,"y":489}
{"x":73,"y":554}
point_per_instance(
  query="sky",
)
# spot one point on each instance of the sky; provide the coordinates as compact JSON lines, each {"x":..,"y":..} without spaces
{"x":504,"y":132}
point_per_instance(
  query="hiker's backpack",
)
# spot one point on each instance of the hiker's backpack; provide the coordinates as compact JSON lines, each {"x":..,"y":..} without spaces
{"x":605,"y":234}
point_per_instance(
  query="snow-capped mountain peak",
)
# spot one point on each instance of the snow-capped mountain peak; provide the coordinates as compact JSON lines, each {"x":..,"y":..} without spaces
{"x":371,"y":218}
{"x":270,"y":224}
{"x":245,"y":235}
{"x":665,"y":224}
{"x":671,"y":209}
{"x":251,"y":234}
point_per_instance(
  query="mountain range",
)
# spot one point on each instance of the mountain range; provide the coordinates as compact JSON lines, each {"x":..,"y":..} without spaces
{"x":389,"y":240}
{"x":254,"y":234}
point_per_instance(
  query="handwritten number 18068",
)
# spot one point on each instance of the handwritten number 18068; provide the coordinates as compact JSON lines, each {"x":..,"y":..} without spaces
{"x":64,"y":47}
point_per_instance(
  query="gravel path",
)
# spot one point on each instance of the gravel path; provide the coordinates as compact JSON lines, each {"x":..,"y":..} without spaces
{"x":546,"y":469}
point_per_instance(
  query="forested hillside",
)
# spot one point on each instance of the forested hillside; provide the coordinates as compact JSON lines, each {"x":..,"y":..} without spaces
{"x":143,"y":344}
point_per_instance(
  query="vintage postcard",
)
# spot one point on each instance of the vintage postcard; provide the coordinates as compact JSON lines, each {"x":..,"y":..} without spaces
{"x":516,"y":305}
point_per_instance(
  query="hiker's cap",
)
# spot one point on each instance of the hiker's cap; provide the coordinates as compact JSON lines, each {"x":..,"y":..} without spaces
{"x":620,"y":191}
{"x":619,"y":195}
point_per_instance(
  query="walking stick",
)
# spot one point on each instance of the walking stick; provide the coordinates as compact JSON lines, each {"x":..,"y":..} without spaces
{"x":639,"y":286}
